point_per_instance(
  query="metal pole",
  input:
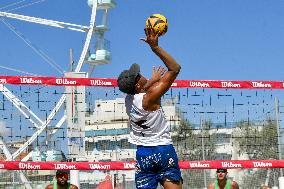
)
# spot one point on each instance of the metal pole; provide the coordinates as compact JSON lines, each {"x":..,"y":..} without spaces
{"x":267,"y":177}
{"x":115,"y":180}
{"x":123,"y":180}
{"x":278,"y":131}
{"x":71,"y":56}
{"x":203,"y":155}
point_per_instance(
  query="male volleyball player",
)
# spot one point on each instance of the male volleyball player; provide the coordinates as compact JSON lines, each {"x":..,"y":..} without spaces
{"x":156,"y":158}
{"x":61,"y":181}
{"x":222,"y":182}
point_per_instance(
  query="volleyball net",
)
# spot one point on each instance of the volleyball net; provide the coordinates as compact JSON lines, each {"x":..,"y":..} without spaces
{"x":79,"y":123}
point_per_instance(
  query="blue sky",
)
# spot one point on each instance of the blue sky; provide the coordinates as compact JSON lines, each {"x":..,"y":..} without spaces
{"x":211,"y":39}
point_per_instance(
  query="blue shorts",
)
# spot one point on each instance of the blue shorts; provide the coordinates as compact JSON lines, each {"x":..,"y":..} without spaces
{"x":156,"y":164}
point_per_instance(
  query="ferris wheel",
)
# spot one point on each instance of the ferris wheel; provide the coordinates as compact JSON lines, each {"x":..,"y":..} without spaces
{"x":100,"y":55}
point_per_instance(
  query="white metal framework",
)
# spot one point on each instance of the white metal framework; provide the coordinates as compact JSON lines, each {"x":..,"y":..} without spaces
{"x":91,"y":30}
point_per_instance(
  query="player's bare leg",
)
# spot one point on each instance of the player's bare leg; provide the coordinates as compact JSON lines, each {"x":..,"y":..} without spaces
{"x":172,"y":185}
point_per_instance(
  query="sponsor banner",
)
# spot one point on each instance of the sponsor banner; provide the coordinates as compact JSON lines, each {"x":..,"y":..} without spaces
{"x":99,"y":166}
{"x":22,"y":80}
{"x":15,"y":165}
{"x":65,"y":166}
{"x":233,"y":164}
{"x":110,"y":82}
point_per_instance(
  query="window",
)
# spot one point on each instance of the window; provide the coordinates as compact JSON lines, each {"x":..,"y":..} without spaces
{"x":223,"y":138}
{"x":223,"y":156}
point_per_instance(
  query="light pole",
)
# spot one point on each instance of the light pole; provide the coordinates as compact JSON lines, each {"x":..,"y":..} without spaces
{"x":203,"y":154}
{"x":278,"y":131}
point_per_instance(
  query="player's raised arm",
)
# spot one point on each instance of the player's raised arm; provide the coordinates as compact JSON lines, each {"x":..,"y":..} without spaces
{"x":156,"y":91}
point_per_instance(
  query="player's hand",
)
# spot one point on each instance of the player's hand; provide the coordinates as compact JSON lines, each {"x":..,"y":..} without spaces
{"x":157,"y":73}
{"x":151,"y":37}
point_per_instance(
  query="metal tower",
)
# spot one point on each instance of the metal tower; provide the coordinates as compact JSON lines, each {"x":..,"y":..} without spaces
{"x":100,"y":55}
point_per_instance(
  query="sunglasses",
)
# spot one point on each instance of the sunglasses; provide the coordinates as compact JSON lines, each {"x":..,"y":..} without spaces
{"x":65,"y":175}
{"x":221,"y":171}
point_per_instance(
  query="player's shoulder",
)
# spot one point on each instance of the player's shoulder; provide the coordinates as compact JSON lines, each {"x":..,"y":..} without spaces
{"x":50,"y":186}
{"x":211,"y":186}
{"x":72,"y":186}
{"x":235,"y":185}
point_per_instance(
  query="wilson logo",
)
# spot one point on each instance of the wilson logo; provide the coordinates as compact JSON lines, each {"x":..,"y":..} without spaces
{"x":100,"y":83}
{"x":64,"y":166}
{"x":262,"y":164}
{"x":261,"y":85}
{"x":30,"y":81}
{"x":199,"y":84}
{"x":129,"y":165}
{"x":230,"y":164}
{"x":199,"y":165}
{"x":28,"y":166}
{"x":65,"y":82}
{"x":96,"y":166}
{"x":230,"y":84}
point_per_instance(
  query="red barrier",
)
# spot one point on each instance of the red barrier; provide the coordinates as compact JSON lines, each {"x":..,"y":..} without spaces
{"x":227,"y":164}
{"x":109,"y":82}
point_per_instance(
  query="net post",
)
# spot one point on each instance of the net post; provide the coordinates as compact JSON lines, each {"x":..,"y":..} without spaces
{"x":281,"y":182}
{"x":74,"y":178}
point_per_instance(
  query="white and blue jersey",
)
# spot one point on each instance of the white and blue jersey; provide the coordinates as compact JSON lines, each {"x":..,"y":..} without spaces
{"x":156,"y":157}
{"x":146,"y":128}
